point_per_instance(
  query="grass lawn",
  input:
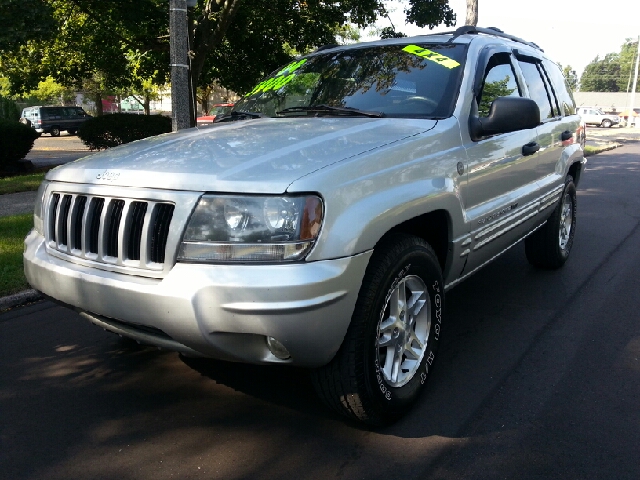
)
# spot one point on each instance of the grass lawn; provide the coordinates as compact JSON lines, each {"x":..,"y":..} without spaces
{"x":21,"y":183}
{"x":13,"y":229}
{"x":591,"y":150}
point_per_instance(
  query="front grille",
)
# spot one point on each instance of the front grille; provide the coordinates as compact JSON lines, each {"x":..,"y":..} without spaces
{"x":116,"y":231}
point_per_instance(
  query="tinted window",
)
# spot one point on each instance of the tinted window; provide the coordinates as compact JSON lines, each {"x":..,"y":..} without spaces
{"x":499,"y":81}
{"x":563,"y":92}
{"x":397,"y":81}
{"x":537,"y":88}
{"x":51,"y":113}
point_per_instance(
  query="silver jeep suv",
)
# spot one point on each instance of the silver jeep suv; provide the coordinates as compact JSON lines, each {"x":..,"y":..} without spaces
{"x":321,"y":222}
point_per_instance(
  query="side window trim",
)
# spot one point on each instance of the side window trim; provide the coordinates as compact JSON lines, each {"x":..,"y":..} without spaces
{"x":553,"y":98}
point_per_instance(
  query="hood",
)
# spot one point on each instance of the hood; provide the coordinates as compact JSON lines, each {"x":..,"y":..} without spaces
{"x":253,"y":156}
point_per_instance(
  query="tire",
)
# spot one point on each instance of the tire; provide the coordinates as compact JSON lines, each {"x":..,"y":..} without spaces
{"x":606,"y":123}
{"x":382,"y":364}
{"x":71,"y":132}
{"x":54,"y":132}
{"x":549,"y":247}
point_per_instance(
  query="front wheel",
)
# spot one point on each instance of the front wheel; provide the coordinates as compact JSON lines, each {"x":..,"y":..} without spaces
{"x":606,"y":123}
{"x":390,"y":346}
{"x":549,"y":247}
{"x":55,"y":131}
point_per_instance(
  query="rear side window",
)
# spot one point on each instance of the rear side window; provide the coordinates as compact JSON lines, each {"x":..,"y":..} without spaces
{"x":563,"y":92}
{"x":539,"y":89}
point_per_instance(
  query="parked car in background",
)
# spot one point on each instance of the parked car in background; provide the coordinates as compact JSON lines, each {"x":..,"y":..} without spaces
{"x":595,"y":116}
{"x":53,"y":120}
{"x":131,"y":104}
{"x":321,"y":222}
{"x":217,"y":110}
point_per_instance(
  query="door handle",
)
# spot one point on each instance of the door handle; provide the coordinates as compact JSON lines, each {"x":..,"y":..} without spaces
{"x":530,"y":148}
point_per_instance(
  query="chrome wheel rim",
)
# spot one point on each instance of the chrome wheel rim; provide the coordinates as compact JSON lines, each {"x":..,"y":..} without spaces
{"x":566,"y":220}
{"x":403,"y":331}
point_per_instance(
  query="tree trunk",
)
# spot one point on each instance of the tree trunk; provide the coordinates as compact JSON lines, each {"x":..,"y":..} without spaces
{"x":472,"y":13}
{"x":98,"y":100}
{"x":147,"y":105}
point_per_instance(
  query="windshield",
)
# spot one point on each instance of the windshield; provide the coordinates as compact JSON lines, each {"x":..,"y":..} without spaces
{"x":414,"y":81}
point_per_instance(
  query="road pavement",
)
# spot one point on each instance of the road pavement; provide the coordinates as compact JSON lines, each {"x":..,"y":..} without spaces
{"x":538,"y":377}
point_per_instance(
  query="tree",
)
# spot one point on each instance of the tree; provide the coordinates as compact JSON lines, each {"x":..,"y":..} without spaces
{"x":613,"y":73}
{"x":235,"y":42}
{"x":570,"y":76}
{"x":24,"y":20}
{"x":472,"y":13}
{"x":628,"y":53}
{"x":602,"y":75}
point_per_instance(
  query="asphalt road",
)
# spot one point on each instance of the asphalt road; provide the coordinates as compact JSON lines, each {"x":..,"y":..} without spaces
{"x":538,"y":377}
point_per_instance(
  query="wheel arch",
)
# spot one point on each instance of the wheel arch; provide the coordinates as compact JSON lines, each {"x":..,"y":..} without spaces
{"x":575,"y":170}
{"x":433,"y":227}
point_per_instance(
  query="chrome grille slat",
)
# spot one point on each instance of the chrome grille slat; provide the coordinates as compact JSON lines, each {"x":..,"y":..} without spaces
{"x":124,"y":232}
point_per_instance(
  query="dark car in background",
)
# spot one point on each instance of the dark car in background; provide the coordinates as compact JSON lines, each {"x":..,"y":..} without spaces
{"x":53,"y":120}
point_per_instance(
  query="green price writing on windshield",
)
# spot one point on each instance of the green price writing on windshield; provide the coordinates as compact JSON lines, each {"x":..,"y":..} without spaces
{"x":280,"y":79}
{"x":433,"y":56}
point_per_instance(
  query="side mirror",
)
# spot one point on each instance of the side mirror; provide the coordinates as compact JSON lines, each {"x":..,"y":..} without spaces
{"x":507,"y":114}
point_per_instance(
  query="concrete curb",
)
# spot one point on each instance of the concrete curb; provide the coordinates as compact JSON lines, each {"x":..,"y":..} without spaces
{"x":20,"y":298}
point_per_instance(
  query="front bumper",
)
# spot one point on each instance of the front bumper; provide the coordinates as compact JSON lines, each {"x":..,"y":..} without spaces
{"x":218,"y":311}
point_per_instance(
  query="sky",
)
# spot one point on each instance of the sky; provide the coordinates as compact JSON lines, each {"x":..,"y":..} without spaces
{"x":570,"y":33}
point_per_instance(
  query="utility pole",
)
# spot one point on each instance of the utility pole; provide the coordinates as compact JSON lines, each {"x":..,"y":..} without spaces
{"x":179,"y":59}
{"x":633,"y":89}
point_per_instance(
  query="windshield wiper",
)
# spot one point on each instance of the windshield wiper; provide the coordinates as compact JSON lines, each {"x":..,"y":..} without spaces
{"x":329,"y":110}
{"x":237,"y":115}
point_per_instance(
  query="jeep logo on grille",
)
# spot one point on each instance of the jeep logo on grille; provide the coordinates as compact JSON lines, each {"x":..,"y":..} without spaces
{"x":107,"y":175}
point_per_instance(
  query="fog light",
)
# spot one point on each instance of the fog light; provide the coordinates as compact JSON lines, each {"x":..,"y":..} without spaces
{"x":278,"y":349}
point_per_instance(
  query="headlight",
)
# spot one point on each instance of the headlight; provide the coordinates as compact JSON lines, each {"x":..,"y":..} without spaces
{"x":252,"y":229}
{"x":38,"y":214}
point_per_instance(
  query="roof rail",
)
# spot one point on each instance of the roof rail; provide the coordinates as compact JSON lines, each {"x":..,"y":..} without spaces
{"x":496,"y":32}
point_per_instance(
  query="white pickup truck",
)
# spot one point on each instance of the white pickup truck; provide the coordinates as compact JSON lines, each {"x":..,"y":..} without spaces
{"x":595,"y":116}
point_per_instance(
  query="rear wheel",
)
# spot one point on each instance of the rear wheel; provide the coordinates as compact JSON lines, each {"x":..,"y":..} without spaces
{"x":390,"y":346}
{"x":55,"y":131}
{"x":549,"y":247}
{"x":71,"y":132}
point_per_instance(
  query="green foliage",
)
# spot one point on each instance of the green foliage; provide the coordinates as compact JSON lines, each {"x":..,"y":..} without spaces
{"x":570,"y":76}
{"x":602,"y":75}
{"x":628,"y":54}
{"x":21,"y":183}
{"x":24,"y":20}
{"x":14,"y":228}
{"x":16,"y":140}
{"x":491,"y":91}
{"x":107,"y":131}
{"x":8,"y":109}
{"x":121,"y":44}
{"x":51,"y":92}
{"x":613,"y":73}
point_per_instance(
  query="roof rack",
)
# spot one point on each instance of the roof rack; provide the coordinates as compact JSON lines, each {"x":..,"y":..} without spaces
{"x":496,"y":32}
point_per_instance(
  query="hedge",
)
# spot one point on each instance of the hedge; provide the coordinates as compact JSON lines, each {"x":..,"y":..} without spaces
{"x":8,"y":109}
{"x":16,"y":140}
{"x":107,"y":131}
